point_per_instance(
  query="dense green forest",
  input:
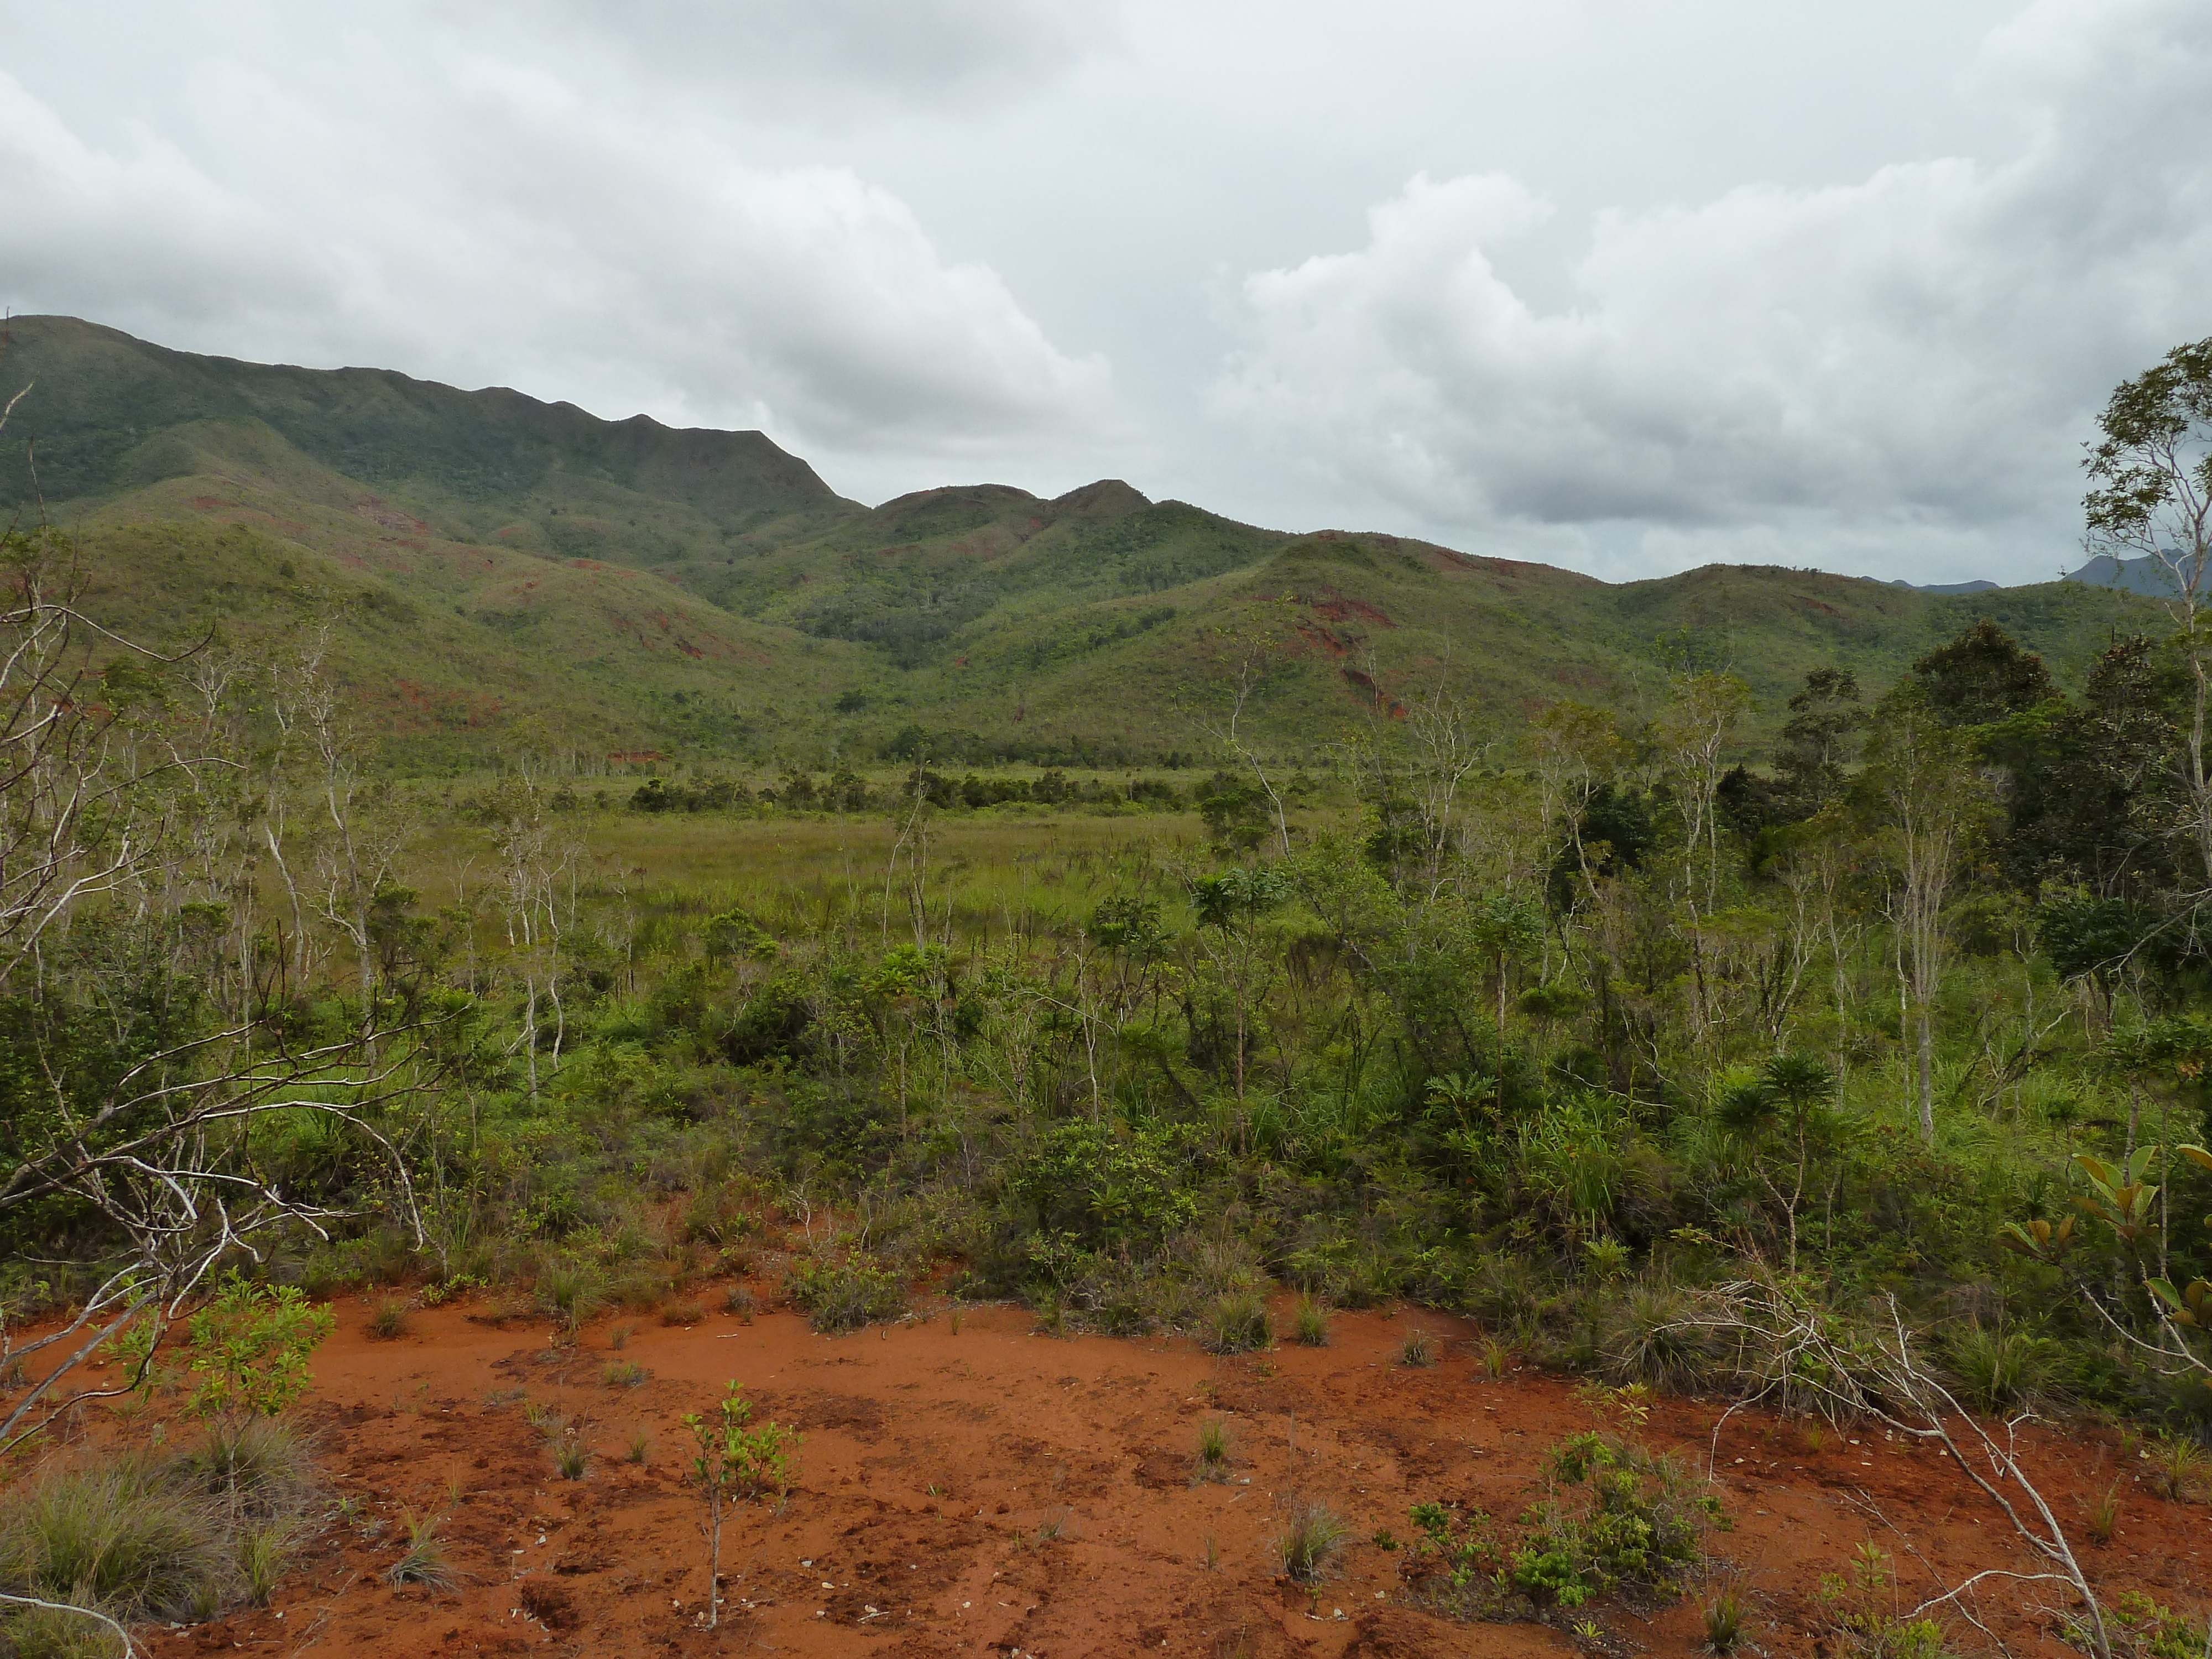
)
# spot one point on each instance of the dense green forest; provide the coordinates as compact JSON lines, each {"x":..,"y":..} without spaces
{"x":1579,"y":1026}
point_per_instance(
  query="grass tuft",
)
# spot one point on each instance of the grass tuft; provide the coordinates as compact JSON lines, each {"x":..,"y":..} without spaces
{"x":1309,"y":1548}
{"x":570,"y":1290}
{"x":1212,"y":1460}
{"x":1236,"y":1322}
{"x":1312,"y":1322}
{"x":2105,"y":1516}
{"x":260,"y":1465}
{"x":424,"y":1562}
{"x":570,"y":1458}
{"x":263,"y":1551}
{"x":1724,"y":1616}
{"x":390,"y":1321}
{"x":113,"y":1537}
{"x":2001,"y":1370}
{"x":1418,"y":1349}
{"x":2181,"y":1469}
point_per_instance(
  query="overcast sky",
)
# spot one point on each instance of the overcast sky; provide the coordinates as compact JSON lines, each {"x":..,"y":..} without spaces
{"x":1626,"y":285}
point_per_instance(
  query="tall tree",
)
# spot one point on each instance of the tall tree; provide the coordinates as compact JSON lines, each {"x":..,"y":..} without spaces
{"x":1820,"y":738}
{"x":2150,"y":496}
{"x":1982,"y":676}
{"x":1926,"y":797}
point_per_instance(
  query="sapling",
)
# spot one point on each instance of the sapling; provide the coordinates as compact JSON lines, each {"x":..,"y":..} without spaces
{"x":735,"y":1462}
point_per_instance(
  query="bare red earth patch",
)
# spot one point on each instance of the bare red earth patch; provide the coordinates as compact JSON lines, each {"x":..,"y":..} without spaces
{"x":990,"y":1490}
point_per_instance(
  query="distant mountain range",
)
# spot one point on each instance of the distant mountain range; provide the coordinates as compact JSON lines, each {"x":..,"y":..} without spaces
{"x":494,"y":572}
{"x":1976,"y":586}
{"x":2142,"y":575}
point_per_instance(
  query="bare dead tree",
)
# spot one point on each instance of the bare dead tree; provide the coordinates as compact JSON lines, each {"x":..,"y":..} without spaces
{"x":1789,"y":1352}
{"x":104,"y":786}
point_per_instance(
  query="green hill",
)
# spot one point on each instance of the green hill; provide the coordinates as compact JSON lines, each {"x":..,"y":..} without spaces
{"x":491,"y":572}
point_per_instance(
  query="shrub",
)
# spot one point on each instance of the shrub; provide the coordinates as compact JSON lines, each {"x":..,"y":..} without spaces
{"x":1455,"y":1563}
{"x":1309,"y":1548}
{"x":1236,"y":1322}
{"x":389,"y":1320}
{"x":843,"y":1296}
{"x":249,"y":1347}
{"x":741,"y":1301}
{"x":735,"y":1461}
{"x":1312,"y":1322}
{"x":1641,"y":1525}
{"x":2141,"y":1629}
{"x":1858,"y":1613}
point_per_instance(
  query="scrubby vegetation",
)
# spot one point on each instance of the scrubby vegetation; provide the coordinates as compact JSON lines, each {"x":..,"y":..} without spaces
{"x":1570,"y":1029}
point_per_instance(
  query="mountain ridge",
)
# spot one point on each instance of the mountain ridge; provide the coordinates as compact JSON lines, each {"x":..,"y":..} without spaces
{"x":533,"y":575}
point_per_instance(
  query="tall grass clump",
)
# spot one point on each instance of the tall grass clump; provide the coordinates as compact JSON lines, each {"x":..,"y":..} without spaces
{"x":1648,"y":1337}
{"x":1308,"y":1546}
{"x":1312,"y":1322}
{"x":1236,"y":1322}
{"x":570,"y":1290}
{"x":113,"y":1537}
{"x":258,"y":1466}
{"x":1211,"y":1462}
{"x":424,"y":1561}
{"x":2001,"y":1370}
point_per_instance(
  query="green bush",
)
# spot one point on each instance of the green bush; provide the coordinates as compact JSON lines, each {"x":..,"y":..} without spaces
{"x":845,"y":1295}
{"x":1618,"y":1518}
{"x":1454,"y":1565}
{"x":1858,"y":1613}
{"x":249,"y":1347}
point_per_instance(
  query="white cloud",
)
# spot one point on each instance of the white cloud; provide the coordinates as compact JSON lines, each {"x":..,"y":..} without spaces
{"x":473,"y":218}
{"x":1904,"y":362}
